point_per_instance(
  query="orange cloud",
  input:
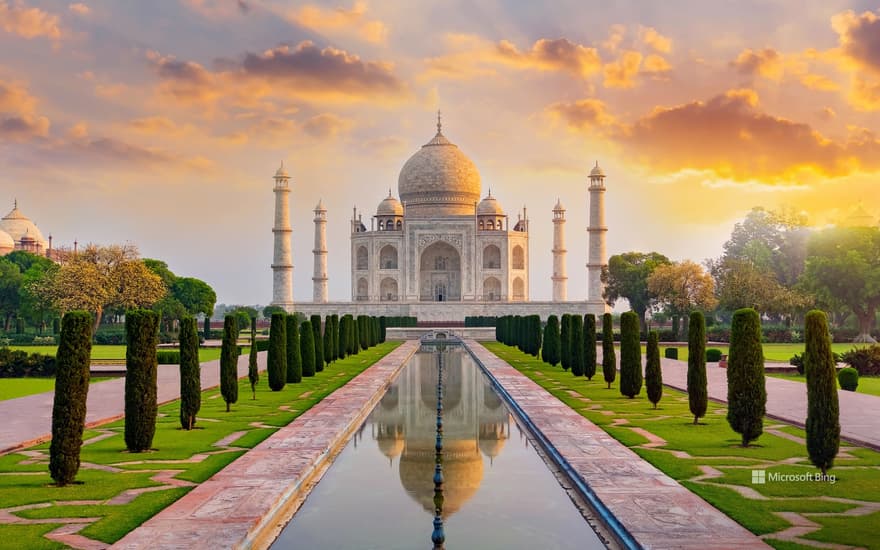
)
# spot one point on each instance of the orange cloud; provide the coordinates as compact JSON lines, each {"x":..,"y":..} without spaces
{"x":343,"y":20}
{"x":859,"y":38}
{"x":623,"y":72}
{"x":656,"y":67}
{"x":651,"y":37}
{"x":584,"y":114}
{"x":326,"y":125}
{"x":551,"y":55}
{"x":79,"y":8}
{"x":18,"y":119}
{"x":26,"y":22}
{"x":767,"y":63}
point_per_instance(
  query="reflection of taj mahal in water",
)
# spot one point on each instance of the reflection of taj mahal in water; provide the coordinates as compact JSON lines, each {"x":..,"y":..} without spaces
{"x":476,"y":424}
{"x":439,"y":243}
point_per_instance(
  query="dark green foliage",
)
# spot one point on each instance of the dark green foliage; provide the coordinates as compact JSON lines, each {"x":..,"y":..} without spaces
{"x":670,"y":353}
{"x":630,"y":355}
{"x":354,"y":332}
{"x":713,"y":355}
{"x":589,"y":345}
{"x":295,"y":364}
{"x":319,"y":342}
{"x":206,"y":333}
{"x":344,"y":337}
{"x":565,"y":342}
{"x":276,"y":361}
{"x":363,"y":339}
{"x":848,"y":378}
{"x":142,"y":335}
{"x":609,"y":357}
{"x":168,"y":357}
{"x":866,"y":360}
{"x":376,"y":330}
{"x":19,"y":326}
{"x":550,"y":350}
{"x":19,"y":364}
{"x":480,"y":321}
{"x":307,"y":347}
{"x":697,"y":383}
{"x":536,"y":334}
{"x":56,"y":325}
{"x":71,"y":392}
{"x":327,"y":340}
{"x":253,"y":370}
{"x":577,"y":346}
{"x":746,"y":393}
{"x":335,"y":340}
{"x":382,"y":326}
{"x":653,"y":373}
{"x":190,"y":373}
{"x":229,"y":361}
{"x":823,"y":411}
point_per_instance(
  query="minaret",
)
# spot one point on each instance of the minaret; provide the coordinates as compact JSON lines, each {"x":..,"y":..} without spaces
{"x":282,"y":263}
{"x":560,"y":280}
{"x":319,"y":279}
{"x":597,"y":258}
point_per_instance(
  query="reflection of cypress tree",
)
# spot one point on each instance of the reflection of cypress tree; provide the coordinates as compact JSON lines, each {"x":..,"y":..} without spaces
{"x":823,"y":420}
{"x":653,"y":373}
{"x":190,"y":373}
{"x":276,"y":360}
{"x":295,"y":365}
{"x":609,"y":357}
{"x":746,"y":393}
{"x":697,"y":383}
{"x":630,"y":355}
{"x":307,"y":345}
{"x":141,"y":408}
{"x":577,"y":348}
{"x":589,"y":346}
{"x":229,"y":361}
{"x":71,"y":392}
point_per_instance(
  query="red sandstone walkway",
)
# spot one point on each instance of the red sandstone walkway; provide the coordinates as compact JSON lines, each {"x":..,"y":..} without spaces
{"x":246,"y":503}
{"x":787,"y":400}
{"x":655,"y":509}
{"x":28,"y":420}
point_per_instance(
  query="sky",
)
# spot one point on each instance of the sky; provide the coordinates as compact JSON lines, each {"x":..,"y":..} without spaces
{"x":162,"y":123}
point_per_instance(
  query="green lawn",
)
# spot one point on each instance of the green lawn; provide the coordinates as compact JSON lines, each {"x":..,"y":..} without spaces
{"x":24,"y":480}
{"x":118,"y":352}
{"x":712,"y":443}
{"x":777,"y":353}
{"x":10,"y":388}
{"x":867,"y":384}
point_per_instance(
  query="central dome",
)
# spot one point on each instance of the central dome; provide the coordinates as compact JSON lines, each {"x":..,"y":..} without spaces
{"x":439,"y":180}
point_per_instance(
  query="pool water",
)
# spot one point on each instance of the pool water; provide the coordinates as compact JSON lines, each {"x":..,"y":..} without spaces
{"x":497,"y":492}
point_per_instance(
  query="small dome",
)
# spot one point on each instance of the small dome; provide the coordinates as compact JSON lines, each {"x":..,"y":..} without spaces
{"x":7,"y":245}
{"x":390,"y":206}
{"x":558,"y":205}
{"x":596,"y":171}
{"x":17,"y":225}
{"x":281,"y":172}
{"x":489,"y":206}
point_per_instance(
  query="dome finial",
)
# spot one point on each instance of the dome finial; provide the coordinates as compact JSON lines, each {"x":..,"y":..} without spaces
{"x":439,"y":123}
{"x":389,"y":192}
{"x":15,"y":203}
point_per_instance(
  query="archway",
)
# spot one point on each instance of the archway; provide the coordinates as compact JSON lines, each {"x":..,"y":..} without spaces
{"x":491,"y":257}
{"x":519,"y":259}
{"x":440,"y":273}
{"x":362,"y":258}
{"x":388,"y":257}
{"x":388,"y":289}
{"x":519,"y":290}
{"x":362,"y":289}
{"x":491,"y":289}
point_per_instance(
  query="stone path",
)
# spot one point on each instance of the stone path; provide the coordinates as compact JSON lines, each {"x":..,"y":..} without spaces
{"x":249,"y":501}
{"x":656,"y":510}
{"x":787,"y":400}
{"x":28,"y":420}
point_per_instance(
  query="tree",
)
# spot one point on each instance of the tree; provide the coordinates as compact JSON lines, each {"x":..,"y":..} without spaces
{"x":630,"y":355}
{"x":823,"y":412}
{"x":626,"y":276}
{"x":682,"y":287}
{"x":71,"y":393}
{"x":383,"y":325}
{"x":307,"y":346}
{"x":79,"y":286}
{"x":746,"y":393}
{"x":740,"y":284}
{"x":697,"y":383}
{"x":334,"y":344}
{"x":270,"y":310}
{"x":843,"y":266}
{"x":534,"y":335}
{"x":276,"y":360}
{"x":295,"y":365}
{"x":243,"y":315}
{"x":319,"y":342}
{"x":10,"y":290}
{"x":550,"y":351}
{"x":653,"y":372}
{"x":229,"y":361}
{"x":253,"y":370}
{"x":576,"y":346}
{"x":565,"y":342}
{"x":141,"y":408}
{"x":328,"y":339}
{"x":344,"y":337}
{"x":190,"y":373}
{"x":196,"y":295}
{"x":609,"y":358}
{"x":207,"y":327}
{"x":589,"y":346}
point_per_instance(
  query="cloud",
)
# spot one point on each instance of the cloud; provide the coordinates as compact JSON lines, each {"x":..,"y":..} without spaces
{"x":218,"y":9}
{"x":732,"y":137}
{"x":551,"y":55}
{"x":651,"y":37}
{"x":859,"y":38}
{"x":26,"y":22}
{"x":79,"y":8}
{"x":767,"y":63}
{"x":19,"y":121}
{"x":340,"y":20}
{"x":656,"y":66}
{"x":584,"y":114}
{"x":616,"y":34}
{"x":622,"y":73}
{"x":326,"y":125}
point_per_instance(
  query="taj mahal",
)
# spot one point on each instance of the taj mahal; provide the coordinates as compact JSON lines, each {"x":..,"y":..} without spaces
{"x":440,"y":250}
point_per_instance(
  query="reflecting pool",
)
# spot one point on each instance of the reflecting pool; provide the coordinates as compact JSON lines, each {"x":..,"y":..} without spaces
{"x":494,"y":490}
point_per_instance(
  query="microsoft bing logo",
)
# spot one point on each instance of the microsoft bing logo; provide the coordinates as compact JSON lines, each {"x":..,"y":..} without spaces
{"x":759,"y":477}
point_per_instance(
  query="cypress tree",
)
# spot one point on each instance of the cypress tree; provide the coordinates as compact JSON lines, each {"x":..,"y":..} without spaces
{"x":343,"y":337}
{"x":630,"y":355}
{"x":653,"y":373}
{"x":823,"y":412}
{"x":697,"y":383}
{"x":295,"y":364}
{"x":576,"y":347}
{"x":362,"y":331}
{"x":609,"y":357}
{"x":550,"y":351}
{"x":253,"y":370}
{"x":335,"y":340}
{"x":589,"y":346}
{"x":307,"y":346}
{"x":353,"y":335}
{"x":141,"y":408}
{"x":319,"y":343}
{"x":565,"y":342}
{"x":71,"y":393}
{"x":207,"y":327}
{"x":746,"y":393}
{"x":383,"y":325}
{"x":56,"y":325}
{"x":276,"y":361}
{"x":190,"y":373}
{"x":229,"y":361}
{"x":534,"y":335}
{"x":327,"y":340}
